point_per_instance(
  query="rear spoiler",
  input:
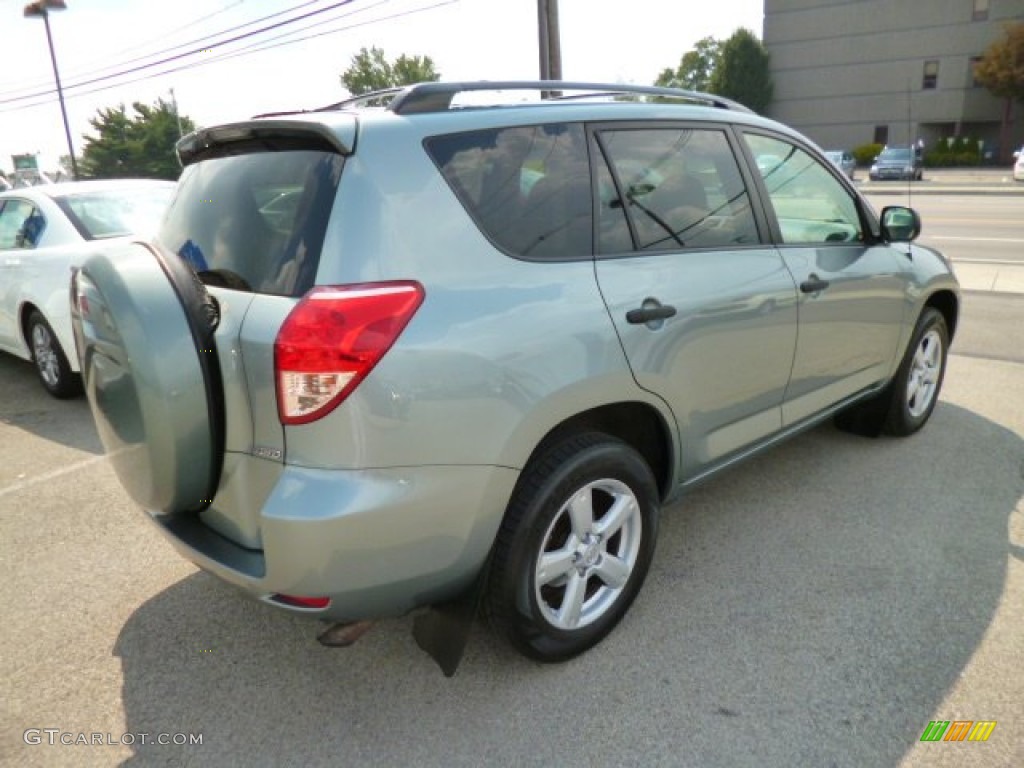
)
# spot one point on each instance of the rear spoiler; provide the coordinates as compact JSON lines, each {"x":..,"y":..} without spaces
{"x":266,"y":135}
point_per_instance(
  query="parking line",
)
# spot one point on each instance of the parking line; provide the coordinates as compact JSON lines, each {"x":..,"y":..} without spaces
{"x":46,"y":476}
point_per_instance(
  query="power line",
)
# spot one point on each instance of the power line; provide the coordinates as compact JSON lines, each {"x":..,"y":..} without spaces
{"x":161,"y":39}
{"x":186,"y":54}
{"x":243,"y":52}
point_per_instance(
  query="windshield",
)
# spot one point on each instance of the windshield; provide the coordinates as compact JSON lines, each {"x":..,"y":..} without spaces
{"x":896,"y":155}
{"x":117,"y":212}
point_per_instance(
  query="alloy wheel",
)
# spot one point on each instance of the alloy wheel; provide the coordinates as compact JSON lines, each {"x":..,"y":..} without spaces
{"x":587,"y":554}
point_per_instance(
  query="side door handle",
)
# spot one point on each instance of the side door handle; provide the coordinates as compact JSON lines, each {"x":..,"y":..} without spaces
{"x":650,"y":314}
{"x":813,"y":284}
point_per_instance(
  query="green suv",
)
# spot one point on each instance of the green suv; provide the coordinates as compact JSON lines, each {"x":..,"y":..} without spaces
{"x":451,"y":348}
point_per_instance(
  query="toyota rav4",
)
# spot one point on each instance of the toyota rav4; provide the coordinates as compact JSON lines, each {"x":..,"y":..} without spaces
{"x":447,"y":348}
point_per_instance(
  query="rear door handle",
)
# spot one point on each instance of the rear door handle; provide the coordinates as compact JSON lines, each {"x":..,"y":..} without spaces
{"x":650,"y":314}
{"x":813,"y":284}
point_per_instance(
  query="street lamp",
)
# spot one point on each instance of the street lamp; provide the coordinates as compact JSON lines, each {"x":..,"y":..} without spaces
{"x":41,"y":9}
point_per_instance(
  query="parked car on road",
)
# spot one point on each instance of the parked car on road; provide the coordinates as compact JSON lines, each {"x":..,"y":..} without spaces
{"x":1018,"y":165}
{"x":843,"y":160}
{"x":902,"y":163}
{"x":44,"y":231}
{"x":426,"y":357}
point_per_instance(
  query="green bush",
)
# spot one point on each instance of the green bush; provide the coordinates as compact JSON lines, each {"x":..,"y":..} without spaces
{"x":866,"y":153}
{"x":959,"y":152}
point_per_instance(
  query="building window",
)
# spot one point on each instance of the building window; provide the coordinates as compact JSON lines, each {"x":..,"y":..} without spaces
{"x":931,"y":75}
{"x":882,"y":134}
{"x":980,"y":10}
{"x":975,"y":61}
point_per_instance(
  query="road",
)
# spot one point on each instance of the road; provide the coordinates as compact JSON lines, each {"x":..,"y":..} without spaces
{"x":818,"y":606}
{"x":968,"y":228}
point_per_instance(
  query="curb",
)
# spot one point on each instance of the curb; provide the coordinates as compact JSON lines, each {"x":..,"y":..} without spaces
{"x":916,"y":188}
{"x":990,"y":277}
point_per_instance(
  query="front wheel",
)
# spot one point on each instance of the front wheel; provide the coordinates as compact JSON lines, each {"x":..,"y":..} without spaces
{"x":51,"y":363}
{"x":908,"y":400}
{"x":574,"y":548}
{"x":915,"y":390}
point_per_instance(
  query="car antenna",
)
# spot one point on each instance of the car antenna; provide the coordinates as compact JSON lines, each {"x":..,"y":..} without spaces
{"x":913,"y":150}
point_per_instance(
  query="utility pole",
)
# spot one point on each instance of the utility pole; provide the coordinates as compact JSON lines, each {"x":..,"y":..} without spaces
{"x":549,"y":40}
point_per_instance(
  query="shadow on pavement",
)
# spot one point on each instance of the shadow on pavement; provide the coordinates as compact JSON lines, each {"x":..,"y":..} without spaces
{"x":811,"y":608}
{"x":27,"y":406}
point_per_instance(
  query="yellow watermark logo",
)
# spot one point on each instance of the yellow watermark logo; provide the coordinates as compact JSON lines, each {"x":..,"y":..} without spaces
{"x":958,"y":730}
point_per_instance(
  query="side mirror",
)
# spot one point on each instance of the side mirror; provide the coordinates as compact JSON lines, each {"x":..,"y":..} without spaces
{"x":900,"y":224}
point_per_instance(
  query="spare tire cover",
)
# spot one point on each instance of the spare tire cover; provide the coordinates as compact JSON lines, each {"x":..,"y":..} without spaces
{"x":144,"y":332}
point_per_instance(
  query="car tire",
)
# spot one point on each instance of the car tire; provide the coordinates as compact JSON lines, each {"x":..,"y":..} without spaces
{"x":574,"y":547}
{"x":915,"y":389}
{"x":904,"y":405}
{"x":51,"y":363}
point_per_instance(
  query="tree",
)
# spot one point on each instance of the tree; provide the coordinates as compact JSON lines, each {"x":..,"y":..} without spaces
{"x":1001,"y":71}
{"x":370,"y":71}
{"x":741,"y":73}
{"x":695,"y":68}
{"x":138,"y":146}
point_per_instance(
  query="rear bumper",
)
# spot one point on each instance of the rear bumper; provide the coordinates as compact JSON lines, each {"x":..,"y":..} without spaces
{"x":376,"y":542}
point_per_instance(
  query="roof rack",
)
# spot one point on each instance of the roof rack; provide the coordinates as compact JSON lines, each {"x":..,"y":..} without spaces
{"x":437,"y":97}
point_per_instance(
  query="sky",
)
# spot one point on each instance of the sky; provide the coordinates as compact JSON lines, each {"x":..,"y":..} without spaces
{"x":619,"y":41}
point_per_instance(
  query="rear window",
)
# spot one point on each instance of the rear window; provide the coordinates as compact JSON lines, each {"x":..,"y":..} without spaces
{"x":527,"y":187}
{"x":255,"y":222}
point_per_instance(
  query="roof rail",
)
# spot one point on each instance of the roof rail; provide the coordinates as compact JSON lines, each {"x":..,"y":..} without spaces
{"x":380,"y":98}
{"x":437,"y":97}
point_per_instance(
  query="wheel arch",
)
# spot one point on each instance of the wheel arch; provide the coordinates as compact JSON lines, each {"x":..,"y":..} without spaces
{"x":947,"y":303}
{"x":24,"y":313}
{"x":637,"y":424}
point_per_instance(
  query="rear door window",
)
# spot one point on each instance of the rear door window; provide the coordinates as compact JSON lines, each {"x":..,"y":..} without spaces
{"x":527,"y":187}
{"x":255,"y":221}
{"x":668,"y":188}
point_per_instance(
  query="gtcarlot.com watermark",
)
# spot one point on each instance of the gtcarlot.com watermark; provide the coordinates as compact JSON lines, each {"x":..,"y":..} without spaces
{"x":56,"y":736}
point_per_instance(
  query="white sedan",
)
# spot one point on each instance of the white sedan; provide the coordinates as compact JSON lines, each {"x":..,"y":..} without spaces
{"x":44,"y":232}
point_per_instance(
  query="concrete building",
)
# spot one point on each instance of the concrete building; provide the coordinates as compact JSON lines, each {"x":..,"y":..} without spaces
{"x":852,"y":72}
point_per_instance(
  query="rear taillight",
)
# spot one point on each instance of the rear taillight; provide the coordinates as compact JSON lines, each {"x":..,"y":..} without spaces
{"x":332,"y":339}
{"x":301,"y":602}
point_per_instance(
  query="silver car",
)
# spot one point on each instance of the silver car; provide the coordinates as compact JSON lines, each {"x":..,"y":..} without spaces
{"x":449,"y":357}
{"x":45,"y":230}
{"x":844,"y":161}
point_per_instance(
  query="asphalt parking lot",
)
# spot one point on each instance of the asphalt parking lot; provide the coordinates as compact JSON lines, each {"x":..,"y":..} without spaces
{"x":818,"y":606}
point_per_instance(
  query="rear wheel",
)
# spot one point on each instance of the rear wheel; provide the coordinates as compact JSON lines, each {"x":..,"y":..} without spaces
{"x":574,"y":548}
{"x":51,"y":363}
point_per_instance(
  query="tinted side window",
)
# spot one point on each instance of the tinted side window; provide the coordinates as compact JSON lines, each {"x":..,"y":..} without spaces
{"x":21,"y":224}
{"x":527,"y":188}
{"x":678,"y":188}
{"x":811,"y":205}
{"x":254,"y":221}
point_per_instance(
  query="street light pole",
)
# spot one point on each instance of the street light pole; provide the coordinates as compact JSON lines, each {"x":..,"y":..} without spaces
{"x":41,"y":8}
